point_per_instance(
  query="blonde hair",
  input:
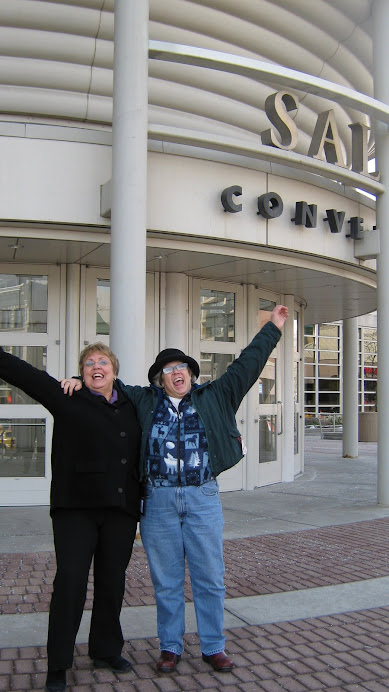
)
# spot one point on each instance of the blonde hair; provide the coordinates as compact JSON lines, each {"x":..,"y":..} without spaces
{"x":98,"y":347}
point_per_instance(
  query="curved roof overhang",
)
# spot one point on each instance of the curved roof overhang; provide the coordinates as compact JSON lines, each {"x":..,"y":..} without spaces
{"x":56,"y":67}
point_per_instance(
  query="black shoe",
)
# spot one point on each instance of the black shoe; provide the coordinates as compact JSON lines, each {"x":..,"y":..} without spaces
{"x":116,"y":663}
{"x":56,"y":681}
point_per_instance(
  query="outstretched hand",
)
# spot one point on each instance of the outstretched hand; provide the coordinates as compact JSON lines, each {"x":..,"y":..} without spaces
{"x":71,"y":385}
{"x":279,"y":315}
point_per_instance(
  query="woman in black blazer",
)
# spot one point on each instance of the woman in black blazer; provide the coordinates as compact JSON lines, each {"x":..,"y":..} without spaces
{"x":94,"y":503}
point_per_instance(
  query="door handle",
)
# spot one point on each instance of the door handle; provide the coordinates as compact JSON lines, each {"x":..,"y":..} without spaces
{"x":280,"y":418}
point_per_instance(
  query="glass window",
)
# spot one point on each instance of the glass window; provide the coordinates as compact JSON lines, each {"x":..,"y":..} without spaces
{"x":103,"y":306}
{"x":369,"y":334}
{"x":23,"y":303}
{"x":310,"y":371}
{"x":296,"y":331}
{"x":330,"y":357}
{"x":329,"y":330}
{"x":370,"y":353}
{"x":22,"y":448}
{"x":370,"y":400}
{"x":296,"y":433}
{"x":310,"y":411}
{"x":213,"y":365}
{"x":329,"y":385}
{"x":309,"y":342}
{"x":35,"y":355}
{"x":328,"y":343}
{"x":331,"y":399}
{"x":217,"y":315}
{"x":330,"y":371}
{"x":267,"y":383}
{"x":296,"y":381}
{"x":265,"y":306}
{"x":267,"y":439}
{"x":310,"y":398}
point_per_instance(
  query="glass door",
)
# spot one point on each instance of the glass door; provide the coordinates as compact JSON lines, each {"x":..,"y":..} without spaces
{"x":30,"y":329}
{"x":298,"y":387}
{"x":217,"y":319}
{"x":95,"y":311}
{"x":265,"y":407}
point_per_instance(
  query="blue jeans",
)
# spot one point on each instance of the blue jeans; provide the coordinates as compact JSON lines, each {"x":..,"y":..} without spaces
{"x":178,"y":523}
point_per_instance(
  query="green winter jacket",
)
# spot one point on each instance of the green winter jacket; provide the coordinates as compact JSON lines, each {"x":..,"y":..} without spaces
{"x":215,"y":402}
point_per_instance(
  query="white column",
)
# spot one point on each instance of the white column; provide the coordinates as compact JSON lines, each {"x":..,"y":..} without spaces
{"x":381,"y":92}
{"x":72,"y":330}
{"x":176,"y":315}
{"x":129,"y":188}
{"x":288,"y":395}
{"x":350,"y":388}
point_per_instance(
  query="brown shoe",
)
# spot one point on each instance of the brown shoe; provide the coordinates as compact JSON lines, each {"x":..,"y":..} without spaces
{"x":219,"y":662}
{"x":167,"y":662}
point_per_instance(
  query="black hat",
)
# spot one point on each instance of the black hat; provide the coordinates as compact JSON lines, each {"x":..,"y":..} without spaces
{"x":168,"y":355}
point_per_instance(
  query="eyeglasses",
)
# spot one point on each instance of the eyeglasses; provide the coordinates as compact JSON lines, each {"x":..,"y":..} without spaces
{"x":91,"y":363}
{"x":171,"y":368}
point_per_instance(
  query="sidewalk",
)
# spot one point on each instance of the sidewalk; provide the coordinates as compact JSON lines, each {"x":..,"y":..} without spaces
{"x":307,"y":591}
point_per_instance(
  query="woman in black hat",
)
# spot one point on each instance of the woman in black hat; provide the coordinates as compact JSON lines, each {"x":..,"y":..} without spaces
{"x":189,"y":436}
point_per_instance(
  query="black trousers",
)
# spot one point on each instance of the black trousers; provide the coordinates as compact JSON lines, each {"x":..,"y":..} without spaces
{"x":80,"y":535}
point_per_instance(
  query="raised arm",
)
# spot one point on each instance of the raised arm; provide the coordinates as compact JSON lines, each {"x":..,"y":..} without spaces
{"x":36,"y":383}
{"x":245,"y":370}
{"x":278,"y":316}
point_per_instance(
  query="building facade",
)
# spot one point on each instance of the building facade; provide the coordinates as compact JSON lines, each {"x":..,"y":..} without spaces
{"x":169,"y":172}
{"x":323,"y":368}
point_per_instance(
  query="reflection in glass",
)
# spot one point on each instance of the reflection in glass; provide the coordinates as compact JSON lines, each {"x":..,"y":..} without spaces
{"x":22,"y":448}
{"x":296,"y":382}
{"x":296,"y":331}
{"x":265,"y":307}
{"x":102,"y":306}
{"x":35,"y":355}
{"x":267,"y":383}
{"x":310,"y":399}
{"x":329,"y":330}
{"x":329,"y":399}
{"x":267,"y":438}
{"x":213,"y":365}
{"x":217,"y":315}
{"x":328,"y":356}
{"x":296,"y":433}
{"x":329,"y":344}
{"x":309,"y":342}
{"x":23,"y":303}
{"x":332,"y":371}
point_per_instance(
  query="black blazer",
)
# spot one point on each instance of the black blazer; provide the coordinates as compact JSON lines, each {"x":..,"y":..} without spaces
{"x":95,"y":448}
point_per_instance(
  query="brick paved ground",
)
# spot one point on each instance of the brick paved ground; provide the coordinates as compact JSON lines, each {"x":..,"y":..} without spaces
{"x":344,"y":652}
{"x":264,"y":564}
